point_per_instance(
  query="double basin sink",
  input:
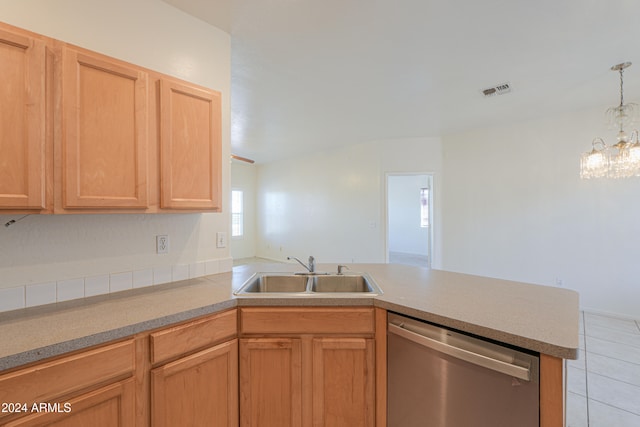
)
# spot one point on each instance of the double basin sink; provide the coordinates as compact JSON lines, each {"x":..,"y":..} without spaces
{"x":312,"y":284}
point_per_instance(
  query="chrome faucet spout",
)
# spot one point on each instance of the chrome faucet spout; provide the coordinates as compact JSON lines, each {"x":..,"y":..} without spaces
{"x":311,"y":268}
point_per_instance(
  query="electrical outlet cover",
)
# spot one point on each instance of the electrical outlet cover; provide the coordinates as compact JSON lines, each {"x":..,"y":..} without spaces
{"x":162,"y":244}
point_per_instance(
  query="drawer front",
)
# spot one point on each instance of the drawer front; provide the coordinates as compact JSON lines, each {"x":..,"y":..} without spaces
{"x":46,"y":381}
{"x":189,"y":337}
{"x":312,"y":320}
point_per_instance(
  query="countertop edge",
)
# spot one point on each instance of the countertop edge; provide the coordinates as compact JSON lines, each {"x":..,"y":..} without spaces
{"x":483,"y":332}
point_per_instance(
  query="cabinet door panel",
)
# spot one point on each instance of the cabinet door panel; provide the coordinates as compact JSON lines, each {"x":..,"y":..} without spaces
{"x":271,"y":382}
{"x":197,"y":390}
{"x":22,"y":122}
{"x":110,"y":406}
{"x":343,"y":382}
{"x":105,"y":107}
{"x":190,"y":147}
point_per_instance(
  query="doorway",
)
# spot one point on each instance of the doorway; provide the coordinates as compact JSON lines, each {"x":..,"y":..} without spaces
{"x":409,"y":218}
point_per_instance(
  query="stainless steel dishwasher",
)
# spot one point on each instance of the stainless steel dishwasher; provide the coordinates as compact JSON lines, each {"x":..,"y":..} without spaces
{"x":441,"y":378}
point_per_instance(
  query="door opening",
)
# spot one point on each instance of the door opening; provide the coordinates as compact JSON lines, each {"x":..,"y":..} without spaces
{"x":409,"y":219}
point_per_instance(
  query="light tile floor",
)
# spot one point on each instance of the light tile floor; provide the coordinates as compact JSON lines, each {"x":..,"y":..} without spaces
{"x":603,"y":385}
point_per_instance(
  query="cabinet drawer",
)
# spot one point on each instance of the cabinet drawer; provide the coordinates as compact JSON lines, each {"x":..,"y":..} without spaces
{"x":313,"y":320}
{"x":46,"y":381}
{"x":179,"y":340}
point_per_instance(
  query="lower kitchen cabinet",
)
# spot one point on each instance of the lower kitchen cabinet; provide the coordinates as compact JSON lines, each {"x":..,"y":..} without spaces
{"x":293,"y":366}
{"x":307,"y":367}
{"x":194,"y":380}
{"x":110,"y":406}
{"x":343,"y":382}
{"x":197,"y":390}
{"x":271,"y":382}
{"x":91,"y":388}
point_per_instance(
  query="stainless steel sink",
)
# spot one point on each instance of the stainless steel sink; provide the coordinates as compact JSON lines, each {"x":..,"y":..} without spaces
{"x":341,"y":283}
{"x":276,"y":283}
{"x":308,"y":285}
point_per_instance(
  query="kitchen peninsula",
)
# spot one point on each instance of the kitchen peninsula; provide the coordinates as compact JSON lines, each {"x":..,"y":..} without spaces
{"x":154,"y":328}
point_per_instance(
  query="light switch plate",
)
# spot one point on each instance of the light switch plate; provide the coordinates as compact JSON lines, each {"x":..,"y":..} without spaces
{"x":221,"y":239}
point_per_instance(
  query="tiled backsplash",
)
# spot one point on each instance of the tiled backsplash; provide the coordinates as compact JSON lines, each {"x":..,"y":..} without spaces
{"x":81,"y":287}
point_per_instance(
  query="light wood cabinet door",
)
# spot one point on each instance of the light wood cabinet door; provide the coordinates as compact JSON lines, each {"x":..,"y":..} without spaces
{"x":197,"y":390}
{"x":22,"y":121}
{"x":104,"y":133}
{"x":270,"y":382}
{"x":110,"y":406}
{"x":190,"y":147}
{"x":343,"y":382}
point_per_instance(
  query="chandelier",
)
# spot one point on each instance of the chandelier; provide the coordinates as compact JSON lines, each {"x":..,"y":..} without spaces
{"x":621,"y":159}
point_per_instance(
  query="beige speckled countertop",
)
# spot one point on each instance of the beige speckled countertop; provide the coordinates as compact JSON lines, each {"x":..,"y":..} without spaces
{"x":539,"y":318}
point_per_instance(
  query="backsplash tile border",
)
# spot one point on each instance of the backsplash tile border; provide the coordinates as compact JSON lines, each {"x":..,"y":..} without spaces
{"x":96,"y":285}
{"x":12,"y":298}
{"x":36,"y":294}
{"x":120,"y":281}
{"x":70,"y":289}
{"x":142,"y":278}
{"x":40,"y":293}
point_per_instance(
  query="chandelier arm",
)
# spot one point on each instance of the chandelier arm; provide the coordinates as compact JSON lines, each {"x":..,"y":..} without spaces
{"x":600,"y":141}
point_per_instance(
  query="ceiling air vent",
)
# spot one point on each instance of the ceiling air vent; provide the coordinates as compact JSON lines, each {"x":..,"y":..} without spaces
{"x":500,"y":89}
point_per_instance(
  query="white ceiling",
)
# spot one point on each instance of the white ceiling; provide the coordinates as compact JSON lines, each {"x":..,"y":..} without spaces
{"x":313,"y":74}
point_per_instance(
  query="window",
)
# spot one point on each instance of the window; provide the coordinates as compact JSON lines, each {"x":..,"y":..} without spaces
{"x":424,"y":207}
{"x":237,"y":213}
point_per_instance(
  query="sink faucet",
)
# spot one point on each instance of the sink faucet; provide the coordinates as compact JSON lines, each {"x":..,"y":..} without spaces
{"x":312,"y":263}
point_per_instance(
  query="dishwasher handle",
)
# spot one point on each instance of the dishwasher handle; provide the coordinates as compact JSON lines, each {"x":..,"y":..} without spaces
{"x":460,"y":353}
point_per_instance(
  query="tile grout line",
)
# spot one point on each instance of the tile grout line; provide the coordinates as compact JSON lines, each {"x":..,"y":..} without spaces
{"x":613,"y":357}
{"x":614,"y":407}
{"x":617,"y":329}
{"x":634,"y":346}
{"x":615,"y":379}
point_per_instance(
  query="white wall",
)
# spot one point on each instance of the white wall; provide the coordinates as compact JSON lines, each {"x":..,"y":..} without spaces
{"x":332,"y":204}
{"x":515,"y":208}
{"x":405,"y":233}
{"x":155,"y":35}
{"x":243,"y":177}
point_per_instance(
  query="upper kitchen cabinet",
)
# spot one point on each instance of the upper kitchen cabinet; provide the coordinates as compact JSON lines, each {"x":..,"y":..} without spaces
{"x":81,"y":132}
{"x":22,"y":122}
{"x":104,"y":142}
{"x":190,"y":147}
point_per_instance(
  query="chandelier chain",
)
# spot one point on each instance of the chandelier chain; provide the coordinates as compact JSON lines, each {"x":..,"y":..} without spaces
{"x":621,"y":91}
